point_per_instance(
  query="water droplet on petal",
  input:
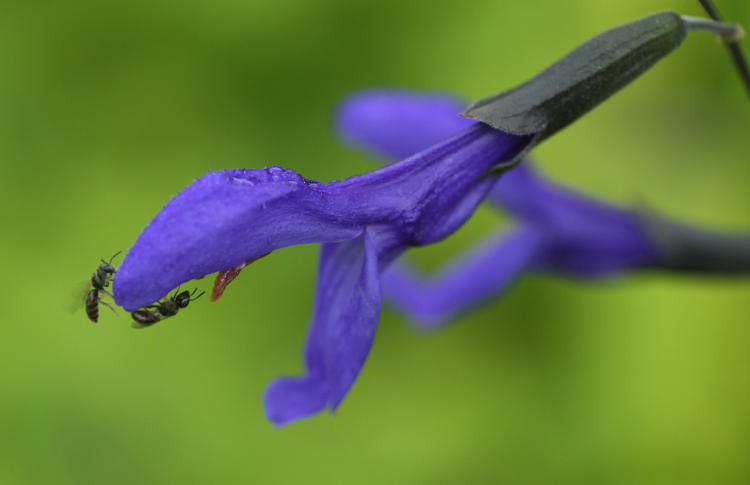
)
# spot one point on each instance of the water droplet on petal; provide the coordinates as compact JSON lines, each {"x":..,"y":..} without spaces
{"x":239,"y":180}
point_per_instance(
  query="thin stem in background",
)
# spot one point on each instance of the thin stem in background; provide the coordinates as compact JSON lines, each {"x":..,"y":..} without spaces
{"x":735,"y":51}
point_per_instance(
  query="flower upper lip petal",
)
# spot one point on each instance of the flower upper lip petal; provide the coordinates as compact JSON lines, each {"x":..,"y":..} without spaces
{"x":228,"y":217}
{"x":219,"y":221}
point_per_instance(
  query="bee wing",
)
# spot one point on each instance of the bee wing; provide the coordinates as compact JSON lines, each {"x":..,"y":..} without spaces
{"x":78,"y":296}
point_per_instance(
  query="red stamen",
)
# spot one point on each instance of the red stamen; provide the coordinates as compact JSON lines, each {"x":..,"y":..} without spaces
{"x":223,"y":278}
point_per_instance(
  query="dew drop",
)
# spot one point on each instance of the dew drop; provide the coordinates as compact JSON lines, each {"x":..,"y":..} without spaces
{"x":242,"y":181}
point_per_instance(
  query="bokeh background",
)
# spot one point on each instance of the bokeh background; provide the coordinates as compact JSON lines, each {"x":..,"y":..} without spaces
{"x":110,"y":108}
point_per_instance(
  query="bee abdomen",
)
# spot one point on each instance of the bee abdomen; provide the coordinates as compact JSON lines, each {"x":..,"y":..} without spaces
{"x":92,"y":305}
{"x":146,"y":317}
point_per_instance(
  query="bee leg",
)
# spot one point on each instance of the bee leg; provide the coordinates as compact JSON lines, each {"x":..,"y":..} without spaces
{"x":108,"y":306}
{"x":105,"y":292}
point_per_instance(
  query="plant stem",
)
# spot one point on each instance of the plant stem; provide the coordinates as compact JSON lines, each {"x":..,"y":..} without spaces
{"x":735,"y":51}
{"x":695,"y":250}
{"x":728,"y":33}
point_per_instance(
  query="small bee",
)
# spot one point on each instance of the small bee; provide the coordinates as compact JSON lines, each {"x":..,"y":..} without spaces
{"x":160,"y":310}
{"x":100,"y":280}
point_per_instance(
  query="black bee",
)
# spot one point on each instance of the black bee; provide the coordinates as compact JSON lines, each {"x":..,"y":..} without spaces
{"x":160,"y":310}
{"x":100,"y":280}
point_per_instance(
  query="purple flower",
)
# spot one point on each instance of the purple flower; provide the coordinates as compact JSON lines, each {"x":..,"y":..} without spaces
{"x":365,"y":222}
{"x":558,"y":230}
{"x":226,"y":219}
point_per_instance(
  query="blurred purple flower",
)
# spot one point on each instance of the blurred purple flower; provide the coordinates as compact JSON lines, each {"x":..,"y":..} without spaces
{"x":558,"y":230}
{"x":365,"y":222}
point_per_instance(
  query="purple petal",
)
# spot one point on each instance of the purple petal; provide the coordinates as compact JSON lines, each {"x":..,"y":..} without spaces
{"x":480,"y":275}
{"x":430,"y":194}
{"x":522,"y":192}
{"x":395,"y":123}
{"x":226,"y":218}
{"x":220,"y":221}
{"x":564,"y":232}
{"x":593,"y":239}
{"x":289,"y":399}
{"x":585,"y":237}
{"x":347,"y":308}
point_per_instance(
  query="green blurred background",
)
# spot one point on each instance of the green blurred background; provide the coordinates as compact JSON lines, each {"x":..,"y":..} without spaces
{"x":110,"y":108}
